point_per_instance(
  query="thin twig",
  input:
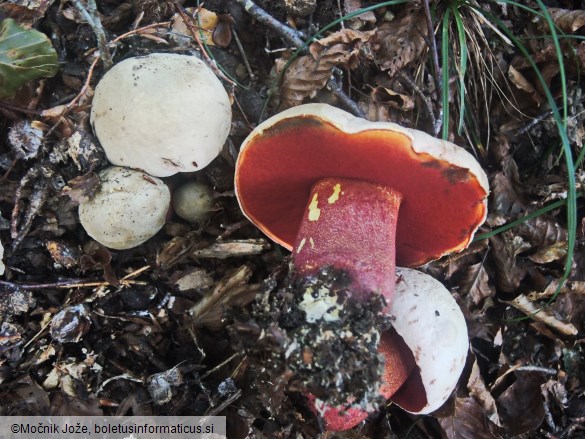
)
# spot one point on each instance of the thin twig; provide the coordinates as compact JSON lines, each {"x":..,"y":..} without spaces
{"x":335,"y":87}
{"x":437,"y":68}
{"x":533,"y":122}
{"x":90,"y":14}
{"x":540,"y":369}
{"x":79,"y":283}
{"x":67,"y":108}
{"x":139,"y":30}
{"x":288,"y":34}
{"x":402,"y":77}
{"x":243,"y":53}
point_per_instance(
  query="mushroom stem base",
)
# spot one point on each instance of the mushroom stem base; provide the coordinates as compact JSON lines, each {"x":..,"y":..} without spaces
{"x":351,"y":225}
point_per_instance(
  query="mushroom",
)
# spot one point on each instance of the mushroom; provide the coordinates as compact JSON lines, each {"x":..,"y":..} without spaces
{"x":162,"y":113}
{"x":128,"y":209}
{"x":193,"y":201}
{"x":425,"y":350}
{"x":357,"y":195}
{"x":361,"y":197}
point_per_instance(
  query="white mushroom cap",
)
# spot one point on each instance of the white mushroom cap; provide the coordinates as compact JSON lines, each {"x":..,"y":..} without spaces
{"x":431,"y":323}
{"x":162,"y":113}
{"x":129,"y":208}
{"x":193,"y":201}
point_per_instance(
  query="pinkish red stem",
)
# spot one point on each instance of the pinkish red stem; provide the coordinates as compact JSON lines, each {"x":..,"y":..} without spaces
{"x":351,"y":225}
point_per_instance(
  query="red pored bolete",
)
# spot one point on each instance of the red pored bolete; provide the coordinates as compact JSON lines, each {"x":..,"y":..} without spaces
{"x":359,"y":196}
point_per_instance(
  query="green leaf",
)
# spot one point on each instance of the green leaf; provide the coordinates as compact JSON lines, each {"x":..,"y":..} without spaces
{"x":24,"y":55}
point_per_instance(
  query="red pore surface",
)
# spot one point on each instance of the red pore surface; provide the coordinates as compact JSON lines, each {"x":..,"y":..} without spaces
{"x":350,"y":225}
{"x":277,"y":169}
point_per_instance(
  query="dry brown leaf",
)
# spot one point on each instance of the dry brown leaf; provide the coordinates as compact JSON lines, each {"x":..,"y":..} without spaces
{"x":310,"y":73}
{"x":402,"y":40}
{"x":520,"y":406}
{"x":529,"y":308}
{"x":567,"y":20}
{"x":571,"y":304}
{"x":507,"y":197}
{"x":476,"y":283}
{"x":456,"y":262}
{"x":552,"y":253}
{"x":26,"y":12}
{"x":522,"y":83}
{"x":479,"y":391}
{"x":386,"y":96}
{"x":468,"y":421}
{"x":350,"y":6}
{"x":505,"y":249}
{"x":542,"y":231}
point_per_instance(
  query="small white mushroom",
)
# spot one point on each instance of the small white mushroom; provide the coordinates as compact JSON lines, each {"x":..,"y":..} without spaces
{"x":431,"y":323}
{"x":193,"y":201}
{"x":129,"y":208}
{"x":162,"y":113}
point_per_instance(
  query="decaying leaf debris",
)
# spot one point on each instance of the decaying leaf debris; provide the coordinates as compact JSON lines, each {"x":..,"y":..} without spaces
{"x":200,"y":319}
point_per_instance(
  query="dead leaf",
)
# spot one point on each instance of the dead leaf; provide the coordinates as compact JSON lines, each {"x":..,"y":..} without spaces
{"x":552,"y":253}
{"x":402,"y":40}
{"x":350,"y":6}
{"x":82,"y":188}
{"x":522,"y":83}
{"x":386,"y":96}
{"x":520,"y":406}
{"x":505,"y":249}
{"x":475,"y":282}
{"x":26,"y":12}
{"x":507,"y":197}
{"x":542,"y":231}
{"x":310,"y":73}
{"x":479,"y":391}
{"x":204,"y":23}
{"x":468,"y":421}
{"x":529,"y":308}
{"x":567,"y":20}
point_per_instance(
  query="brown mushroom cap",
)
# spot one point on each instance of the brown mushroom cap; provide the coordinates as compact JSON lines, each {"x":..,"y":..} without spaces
{"x":444,"y":189}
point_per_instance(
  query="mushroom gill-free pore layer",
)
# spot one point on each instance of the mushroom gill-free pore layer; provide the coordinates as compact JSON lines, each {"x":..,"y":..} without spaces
{"x":290,"y":155}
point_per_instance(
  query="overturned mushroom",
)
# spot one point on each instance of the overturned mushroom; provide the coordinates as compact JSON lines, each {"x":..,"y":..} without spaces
{"x":162,"y":113}
{"x":346,"y":192}
{"x":128,"y":209}
{"x":359,"y":196}
{"x":425,"y":350}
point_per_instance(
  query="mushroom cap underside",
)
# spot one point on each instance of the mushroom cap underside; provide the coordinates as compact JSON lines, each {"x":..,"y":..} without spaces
{"x":444,"y":189}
